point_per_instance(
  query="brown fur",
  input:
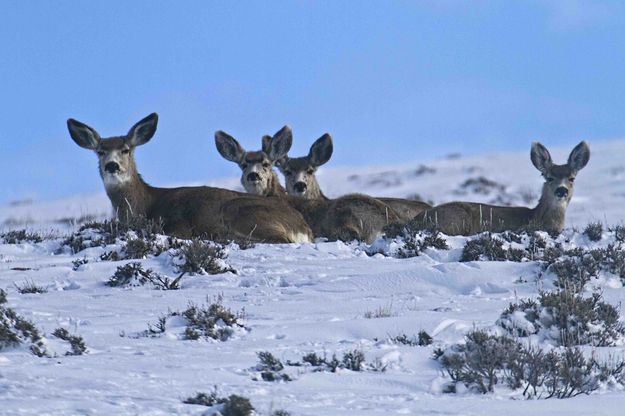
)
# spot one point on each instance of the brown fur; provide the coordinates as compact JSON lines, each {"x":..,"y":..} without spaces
{"x":301,"y":180}
{"x":351,"y":217}
{"x":187,"y":211}
{"x":467,"y":218}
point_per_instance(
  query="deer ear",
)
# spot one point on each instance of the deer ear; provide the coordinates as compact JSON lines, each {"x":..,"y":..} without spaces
{"x":142,"y":132}
{"x":83,"y":135}
{"x":321,"y":150}
{"x":266,"y":142}
{"x":280,"y":143}
{"x":228,"y":147}
{"x":540,"y":157}
{"x":579,"y":157}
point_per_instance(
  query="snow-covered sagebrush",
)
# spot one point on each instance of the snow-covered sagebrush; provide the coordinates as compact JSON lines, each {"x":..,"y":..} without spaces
{"x":353,"y":327}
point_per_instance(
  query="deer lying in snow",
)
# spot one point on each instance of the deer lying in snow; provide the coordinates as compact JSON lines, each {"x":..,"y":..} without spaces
{"x":299,"y":174}
{"x":466,"y":218}
{"x":188,"y":211}
{"x":346,"y":218}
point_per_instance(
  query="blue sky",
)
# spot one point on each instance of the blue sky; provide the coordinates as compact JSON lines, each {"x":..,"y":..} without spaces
{"x":390,"y":80}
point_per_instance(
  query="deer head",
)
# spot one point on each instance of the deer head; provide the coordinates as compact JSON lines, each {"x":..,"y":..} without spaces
{"x":115,"y":154}
{"x":559,"y":179}
{"x":300,"y":172}
{"x":257,"y":175}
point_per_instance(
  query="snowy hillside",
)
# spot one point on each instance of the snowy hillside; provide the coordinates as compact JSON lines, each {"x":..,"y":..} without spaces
{"x":327,"y":298}
{"x":511,"y":179}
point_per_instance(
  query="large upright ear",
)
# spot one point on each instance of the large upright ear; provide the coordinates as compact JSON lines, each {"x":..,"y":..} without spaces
{"x":321,"y":150}
{"x":541,"y":157}
{"x":83,"y":135}
{"x":228,"y":147}
{"x":280,"y":143}
{"x":143,"y":131}
{"x":579,"y":157}
{"x":266,"y":142}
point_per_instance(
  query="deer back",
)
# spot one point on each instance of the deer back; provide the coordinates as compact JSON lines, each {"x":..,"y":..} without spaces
{"x":466,"y":218}
{"x":187,"y":211}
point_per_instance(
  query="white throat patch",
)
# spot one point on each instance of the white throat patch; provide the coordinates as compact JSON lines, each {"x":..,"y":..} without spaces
{"x":115,"y":180}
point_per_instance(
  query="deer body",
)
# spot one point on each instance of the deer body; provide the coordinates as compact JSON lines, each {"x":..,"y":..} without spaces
{"x":347,"y":218}
{"x":186,"y":211}
{"x":405,"y":208}
{"x":302,"y":182}
{"x":467,"y":218}
{"x":350,"y":217}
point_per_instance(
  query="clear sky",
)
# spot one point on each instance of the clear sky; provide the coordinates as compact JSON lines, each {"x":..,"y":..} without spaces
{"x":390,"y":80}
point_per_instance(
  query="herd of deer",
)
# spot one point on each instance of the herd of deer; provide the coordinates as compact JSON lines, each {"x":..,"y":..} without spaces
{"x":270,"y":213}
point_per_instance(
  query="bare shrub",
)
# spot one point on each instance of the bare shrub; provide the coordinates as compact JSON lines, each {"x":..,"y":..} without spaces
{"x":138,"y":248}
{"x":29,"y":287}
{"x":16,"y":330}
{"x":485,"y":247}
{"x":416,"y":243}
{"x":614,"y":260}
{"x":271,"y":368}
{"x":481,"y":361}
{"x":594,"y":231}
{"x":76,"y":342}
{"x":619,"y":233}
{"x":422,"y":339}
{"x":76,"y":264}
{"x":237,"y":406}
{"x":140,"y":235}
{"x":229,"y":406}
{"x":575,"y":272}
{"x":415,"y":240}
{"x":133,"y":274}
{"x":485,"y":361}
{"x":353,"y":360}
{"x":565,"y":317}
{"x":213,"y":321}
{"x":202,"y":257}
{"x":210,"y":321}
{"x":21,"y":236}
{"x":205,"y":399}
{"x":380,"y":312}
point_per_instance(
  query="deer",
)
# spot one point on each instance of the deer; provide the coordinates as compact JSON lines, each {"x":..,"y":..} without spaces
{"x":468,"y":218}
{"x":301,"y":181}
{"x":350,"y":217}
{"x":185,"y":212}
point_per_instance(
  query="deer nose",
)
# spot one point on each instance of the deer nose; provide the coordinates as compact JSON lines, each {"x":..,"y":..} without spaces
{"x":300,"y":187}
{"x":561,"y":192}
{"x":253,"y":177}
{"x":111,"y":167}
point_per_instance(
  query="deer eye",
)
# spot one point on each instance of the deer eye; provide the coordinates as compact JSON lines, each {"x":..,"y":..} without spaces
{"x":288,"y":172}
{"x":311,"y":171}
{"x":101,"y":153}
{"x":571,"y":179}
{"x":243,"y":165}
{"x":125,"y":151}
{"x":266,"y":164}
{"x":550,"y":179}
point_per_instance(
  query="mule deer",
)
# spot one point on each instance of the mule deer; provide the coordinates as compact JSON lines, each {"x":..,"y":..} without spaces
{"x":300,"y":179}
{"x":466,"y":218}
{"x":187,"y":211}
{"x":347,"y":218}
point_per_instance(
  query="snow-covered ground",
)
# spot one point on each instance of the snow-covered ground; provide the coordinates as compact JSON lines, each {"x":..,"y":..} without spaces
{"x":297,"y":299}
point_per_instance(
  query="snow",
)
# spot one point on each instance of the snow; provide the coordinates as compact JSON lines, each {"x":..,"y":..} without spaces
{"x":297,"y":298}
